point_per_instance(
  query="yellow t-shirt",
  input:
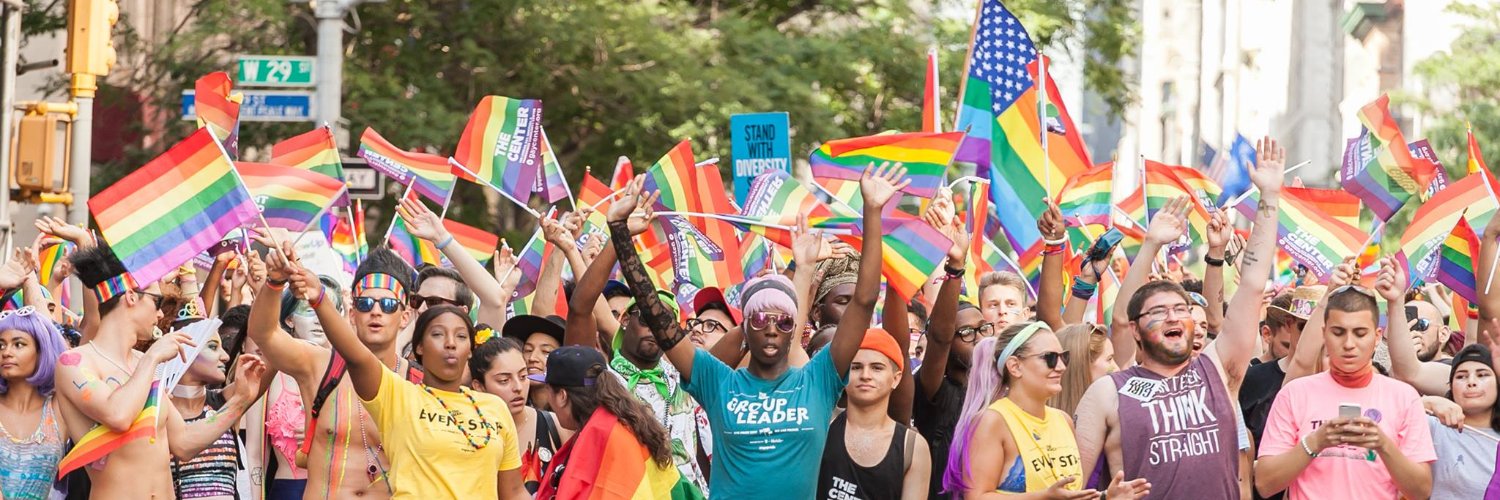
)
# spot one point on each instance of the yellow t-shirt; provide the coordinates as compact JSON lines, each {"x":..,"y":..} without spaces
{"x":429,"y":456}
{"x":1049,"y":452}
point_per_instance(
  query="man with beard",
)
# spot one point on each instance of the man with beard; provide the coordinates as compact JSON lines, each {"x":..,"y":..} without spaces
{"x":1171,"y":419}
{"x":635,"y":359}
{"x":1428,"y":334}
{"x":953,"y":330}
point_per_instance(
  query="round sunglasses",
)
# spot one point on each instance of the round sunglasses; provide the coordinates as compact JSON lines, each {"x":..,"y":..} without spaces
{"x":763,"y":321}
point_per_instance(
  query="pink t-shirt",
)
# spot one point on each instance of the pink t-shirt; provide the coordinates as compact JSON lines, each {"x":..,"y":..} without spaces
{"x":1346,"y":471}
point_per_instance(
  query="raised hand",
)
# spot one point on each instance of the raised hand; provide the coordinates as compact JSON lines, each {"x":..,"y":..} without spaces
{"x":1129,"y":490}
{"x":593,"y":244}
{"x":942,"y":207}
{"x":1391,"y":283}
{"x":573,"y":222}
{"x":1169,"y":223}
{"x":248,"y":373}
{"x":1051,"y":223}
{"x":953,"y":228}
{"x":61,"y":229}
{"x":1270,"y":165}
{"x":505,"y":260}
{"x":305,"y":284}
{"x":258,"y":271}
{"x":279,"y":264}
{"x":17,"y":269}
{"x":1347,"y":273}
{"x":420,"y":221}
{"x":1219,"y":230}
{"x":880,"y":184}
{"x":557,"y":234}
{"x":809,"y":246}
{"x":171,"y":345}
{"x":625,"y":204}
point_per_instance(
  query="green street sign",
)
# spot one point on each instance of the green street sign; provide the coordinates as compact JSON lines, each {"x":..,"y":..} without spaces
{"x":275,"y":71}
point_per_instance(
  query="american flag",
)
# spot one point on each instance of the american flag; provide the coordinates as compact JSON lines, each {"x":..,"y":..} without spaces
{"x":1002,"y":49}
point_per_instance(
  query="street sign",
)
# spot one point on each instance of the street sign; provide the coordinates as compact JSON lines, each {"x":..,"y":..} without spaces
{"x":364,"y":182}
{"x":275,"y":71}
{"x":758,"y":142}
{"x":264,"y":106}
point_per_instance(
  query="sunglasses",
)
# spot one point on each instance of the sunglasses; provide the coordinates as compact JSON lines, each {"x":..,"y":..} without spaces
{"x":763,"y":321}
{"x":1051,"y":358}
{"x":367,"y":304}
{"x":1421,"y":325}
{"x":417,"y":301}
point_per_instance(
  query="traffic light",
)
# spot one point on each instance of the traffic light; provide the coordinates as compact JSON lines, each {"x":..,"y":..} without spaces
{"x":91,"y":50}
{"x":41,"y":152}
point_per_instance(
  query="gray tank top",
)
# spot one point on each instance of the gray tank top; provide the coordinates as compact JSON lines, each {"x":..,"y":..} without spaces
{"x":1181,"y":431}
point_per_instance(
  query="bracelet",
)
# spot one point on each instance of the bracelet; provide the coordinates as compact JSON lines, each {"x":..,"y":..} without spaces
{"x":953,"y":274}
{"x":1306,"y":448}
{"x":1083,"y":290}
{"x":1051,"y":249}
{"x":1055,"y":242}
{"x":1212,"y":262}
{"x":322,"y":291}
{"x":276,"y":284}
{"x":444,"y":244}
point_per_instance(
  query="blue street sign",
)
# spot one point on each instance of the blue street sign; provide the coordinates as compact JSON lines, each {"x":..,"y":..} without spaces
{"x":758,"y":142}
{"x":263,"y":106}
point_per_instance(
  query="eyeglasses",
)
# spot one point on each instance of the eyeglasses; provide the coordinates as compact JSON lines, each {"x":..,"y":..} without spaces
{"x":763,"y":321}
{"x":156,"y":298}
{"x":1161,"y":312}
{"x":706,"y":325}
{"x":1421,"y":325}
{"x":1051,"y":358}
{"x":969,"y":334}
{"x":367,"y":304}
{"x":417,"y":301}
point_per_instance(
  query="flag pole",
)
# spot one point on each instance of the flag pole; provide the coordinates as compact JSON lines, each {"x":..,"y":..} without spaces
{"x":396,"y":214}
{"x":968,"y":60}
{"x":1041,"y":108}
{"x":836,"y":199}
{"x":1253,"y":189}
{"x":241,"y":181}
{"x":360,"y":239}
{"x":534,"y":236}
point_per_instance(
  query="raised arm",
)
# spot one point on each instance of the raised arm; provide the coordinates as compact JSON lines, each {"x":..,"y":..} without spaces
{"x":942,"y":326}
{"x":1484,"y":271}
{"x":119,"y":409}
{"x":622,"y":230}
{"x":424,"y":224}
{"x":898,"y":324}
{"x":544,"y":302}
{"x":1167,"y":226}
{"x":365,"y":369}
{"x":213,"y":281}
{"x":1236,"y":343}
{"x":1091,"y":273}
{"x":582,"y":326}
{"x":1428,"y":378}
{"x":89,"y":325}
{"x":1049,"y":295}
{"x":878,"y":186}
{"x":283,"y":352}
{"x":250,"y":382}
{"x":1220,"y":231}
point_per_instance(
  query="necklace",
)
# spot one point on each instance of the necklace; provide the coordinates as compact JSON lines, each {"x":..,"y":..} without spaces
{"x":372,"y":462}
{"x":106,"y":358}
{"x":488,"y":434}
{"x":189,"y":391}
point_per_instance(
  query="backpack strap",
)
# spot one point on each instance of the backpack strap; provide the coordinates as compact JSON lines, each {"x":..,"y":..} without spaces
{"x":330,"y":381}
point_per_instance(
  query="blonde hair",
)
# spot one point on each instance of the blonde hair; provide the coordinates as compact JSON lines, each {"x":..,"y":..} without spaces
{"x":1077,"y":340}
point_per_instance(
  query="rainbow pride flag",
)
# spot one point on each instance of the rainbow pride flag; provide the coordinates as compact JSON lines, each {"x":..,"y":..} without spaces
{"x":1480,"y":217}
{"x":1378,"y":167}
{"x":289,"y":198}
{"x":1087,"y":197}
{"x":195,"y":199}
{"x":624,"y":172}
{"x":911,"y":252}
{"x":99,"y":442}
{"x":1206,"y":191}
{"x":1434,"y":221}
{"x":343,"y":241}
{"x":478,"y":243}
{"x":1312,"y":238}
{"x":551,"y":182}
{"x":592,"y":193}
{"x":501,"y":145}
{"x":844,"y":197}
{"x":925,"y":155}
{"x":717,"y":253}
{"x":1163,"y":183}
{"x":218,"y":109}
{"x":1337,"y":203}
{"x":428,"y":175}
{"x":671,"y":176}
{"x":1456,"y":267}
{"x":313,"y":150}
{"x":775,"y":198}
{"x":414,"y":250}
{"x":529,"y":262}
{"x":606,"y":461}
{"x":51,"y":256}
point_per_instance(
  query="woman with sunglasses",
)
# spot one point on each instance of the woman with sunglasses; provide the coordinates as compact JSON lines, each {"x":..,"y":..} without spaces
{"x":32,"y":432}
{"x":1038,"y":454}
{"x":1090,"y":339}
{"x":436,"y":434}
{"x":769,"y":419}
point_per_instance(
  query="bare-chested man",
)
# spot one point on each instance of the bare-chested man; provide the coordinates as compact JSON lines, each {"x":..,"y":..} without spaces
{"x":344,"y":455}
{"x":106,"y":382}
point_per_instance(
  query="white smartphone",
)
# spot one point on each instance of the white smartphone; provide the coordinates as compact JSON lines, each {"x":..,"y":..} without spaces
{"x":1350,"y":410}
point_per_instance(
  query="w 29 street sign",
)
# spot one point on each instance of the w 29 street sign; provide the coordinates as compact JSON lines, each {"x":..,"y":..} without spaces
{"x":275,"y":71}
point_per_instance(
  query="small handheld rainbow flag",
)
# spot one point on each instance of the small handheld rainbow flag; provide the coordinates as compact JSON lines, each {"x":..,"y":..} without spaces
{"x":501,"y":145}
{"x":529,"y":262}
{"x":217,"y":109}
{"x":289,"y":198}
{"x":624,"y":172}
{"x":1378,"y":167}
{"x":671,"y":176}
{"x":1480,"y":217}
{"x":428,"y":175}
{"x":776,"y":199}
{"x":414,"y":250}
{"x":1086,"y":198}
{"x":911,"y":252}
{"x":195,"y":199}
{"x":551,"y":183}
{"x":593,"y":193}
{"x":342,"y":240}
{"x":1312,"y":238}
{"x":1337,"y":203}
{"x":925,"y":155}
{"x":1456,"y":262}
{"x":476,"y":242}
{"x":314,"y":150}
{"x":1206,"y":190}
{"x":1434,"y":221}
{"x":99,"y":442}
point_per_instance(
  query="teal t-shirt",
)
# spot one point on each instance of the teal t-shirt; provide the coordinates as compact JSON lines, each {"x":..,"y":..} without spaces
{"x":768,"y":434}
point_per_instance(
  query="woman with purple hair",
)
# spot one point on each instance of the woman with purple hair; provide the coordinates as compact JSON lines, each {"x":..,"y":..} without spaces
{"x":31,"y":429}
{"x":1037,"y":456}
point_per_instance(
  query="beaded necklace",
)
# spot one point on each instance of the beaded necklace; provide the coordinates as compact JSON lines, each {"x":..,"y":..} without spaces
{"x":488,"y":434}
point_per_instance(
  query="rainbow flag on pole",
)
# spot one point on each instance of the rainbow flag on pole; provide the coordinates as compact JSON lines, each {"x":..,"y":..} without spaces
{"x":1434,"y":221}
{"x":99,"y":442}
{"x":925,"y":155}
{"x":289,"y":198}
{"x":912,"y":251}
{"x":529,"y":262}
{"x":931,"y":111}
{"x":614,"y":465}
{"x":1336,"y":203}
{"x":671,"y":177}
{"x":1087,"y":197}
{"x":1206,"y":191}
{"x":428,"y":175}
{"x":476,"y":242}
{"x":343,"y":242}
{"x":314,"y":150}
{"x":1378,"y":167}
{"x":414,"y":250}
{"x":501,"y":145}
{"x":1312,"y":238}
{"x":195,"y":198}
{"x":1456,"y":261}
{"x":217,"y":108}
{"x":551,"y":182}
{"x":1480,"y":217}
{"x":775,"y":198}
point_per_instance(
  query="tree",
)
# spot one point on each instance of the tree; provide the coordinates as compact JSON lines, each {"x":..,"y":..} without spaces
{"x":1462,"y":87}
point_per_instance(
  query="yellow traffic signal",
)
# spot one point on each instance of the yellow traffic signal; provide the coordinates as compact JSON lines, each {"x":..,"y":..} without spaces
{"x":41,"y":152}
{"x":91,"y":50}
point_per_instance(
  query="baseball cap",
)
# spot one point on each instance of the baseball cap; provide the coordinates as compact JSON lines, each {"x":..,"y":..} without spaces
{"x":880,"y":341}
{"x":569,"y":366}
{"x":616,"y":288}
{"x":711,"y":297}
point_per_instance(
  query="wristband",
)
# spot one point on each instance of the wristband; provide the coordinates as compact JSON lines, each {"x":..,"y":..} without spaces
{"x":953,"y":274}
{"x":1083,"y":290}
{"x":1212,"y":262}
{"x":1308,"y":449}
{"x":319,"y":300}
{"x":276,"y":284}
{"x":1051,"y":249}
{"x":1056,"y":242}
{"x":444,"y":244}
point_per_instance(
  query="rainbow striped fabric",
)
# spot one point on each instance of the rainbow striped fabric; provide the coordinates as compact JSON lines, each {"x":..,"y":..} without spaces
{"x":1205,"y":189}
{"x":428,"y":175}
{"x":911,"y":252}
{"x":705,"y":252}
{"x":195,"y":198}
{"x":592,"y":193}
{"x":1434,"y":221}
{"x":775,"y":198}
{"x":501,"y":145}
{"x":671,"y":176}
{"x":529,"y":262}
{"x":1162,"y":184}
{"x":217,"y":109}
{"x":1455,"y":267}
{"x":624,"y":172}
{"x":1480,"y":216}
{"x":415,"y":250}
{"x":844,"y":196}
{"x":51,"y":256}
{"x":1312,"y":238}
{"x":345,"y":239}
{"x":476,"y":242}
{"x":1087,"y":197}
{"x":925,"y":155}
{"x":551,"y":182}
{"x":1378,"y":167}
{"x":99,"y":442}
{"x":1337,"y":203}
{"x":606,"y":461}
{"x":289,"y":198}
{"x":313,"y":150}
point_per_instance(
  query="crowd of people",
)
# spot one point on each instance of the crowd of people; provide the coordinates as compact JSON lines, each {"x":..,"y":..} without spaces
{"x":419,"y":383}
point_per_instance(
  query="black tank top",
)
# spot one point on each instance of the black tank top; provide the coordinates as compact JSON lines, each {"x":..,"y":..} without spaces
{"x":840,"y":478}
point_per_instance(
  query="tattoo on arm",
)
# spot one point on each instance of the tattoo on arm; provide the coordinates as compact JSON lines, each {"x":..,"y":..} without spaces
{"x":653,"y":312}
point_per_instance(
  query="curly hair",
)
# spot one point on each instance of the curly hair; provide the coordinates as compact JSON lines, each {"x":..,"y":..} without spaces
{"x":608,"y":392}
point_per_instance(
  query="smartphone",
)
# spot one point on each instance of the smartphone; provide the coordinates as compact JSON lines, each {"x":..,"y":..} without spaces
{"x":1411,"y":313}
{"x":1350,"y":411}
{"x":1106,"y":243}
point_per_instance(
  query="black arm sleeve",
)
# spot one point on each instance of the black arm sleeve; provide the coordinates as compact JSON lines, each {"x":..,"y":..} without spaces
{"x":655,"y":314}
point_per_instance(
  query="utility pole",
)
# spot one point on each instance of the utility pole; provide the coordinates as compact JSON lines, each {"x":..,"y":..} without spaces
{"x":91,"y":54}
{"x":9,"y":56}
{"x":330,"y":87}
